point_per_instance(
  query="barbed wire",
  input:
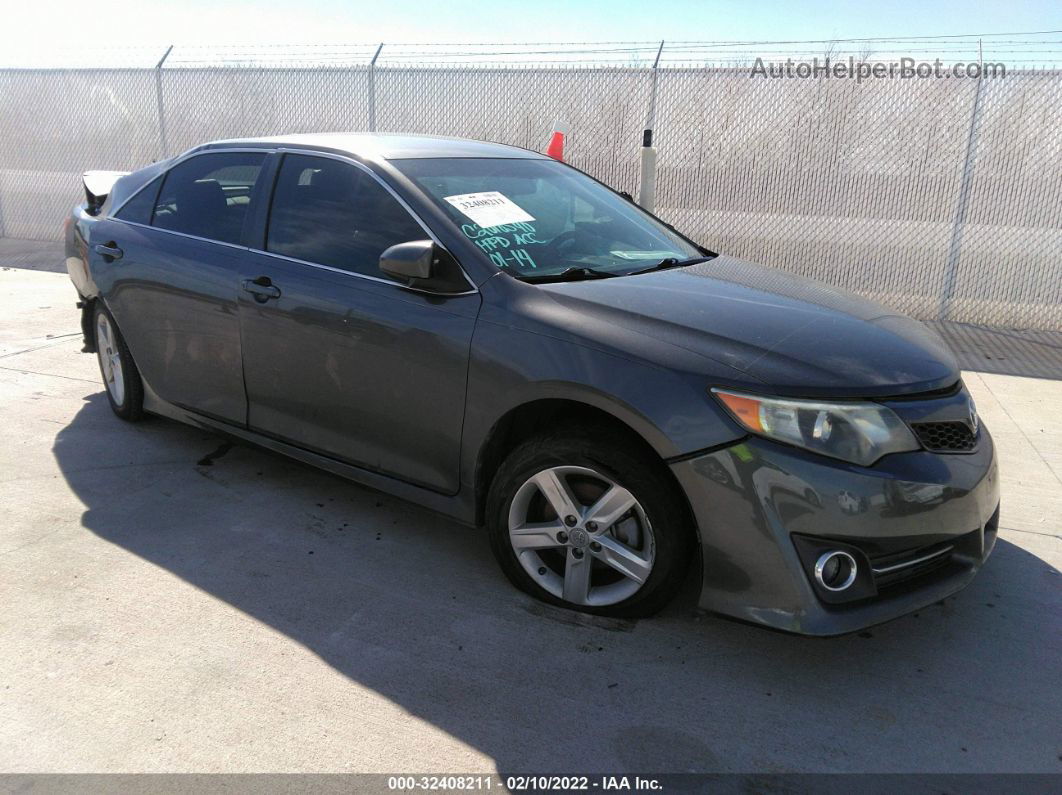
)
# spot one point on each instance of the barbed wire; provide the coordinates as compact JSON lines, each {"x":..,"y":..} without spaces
{"x":1020,"y":47}
{"x":656,"y":42}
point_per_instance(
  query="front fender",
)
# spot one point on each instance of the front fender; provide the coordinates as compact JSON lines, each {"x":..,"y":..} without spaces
{"x":510,"y":367}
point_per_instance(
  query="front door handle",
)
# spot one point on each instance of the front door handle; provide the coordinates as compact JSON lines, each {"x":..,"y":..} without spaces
{"x":261,"y":288}
{"x":109,"y":251}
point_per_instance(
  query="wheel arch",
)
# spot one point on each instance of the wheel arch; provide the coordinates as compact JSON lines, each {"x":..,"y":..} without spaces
{"x":530,"y":418}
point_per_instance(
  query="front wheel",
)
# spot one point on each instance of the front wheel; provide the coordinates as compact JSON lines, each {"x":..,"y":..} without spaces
{"x":125,"y":392}
{"x":580,"y":520}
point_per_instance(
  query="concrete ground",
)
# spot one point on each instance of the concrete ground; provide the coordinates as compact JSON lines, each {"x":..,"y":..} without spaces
{"x":170,"y":603}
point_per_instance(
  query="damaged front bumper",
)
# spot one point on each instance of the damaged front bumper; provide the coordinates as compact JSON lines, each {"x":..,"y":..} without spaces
{"x":918,"y":525}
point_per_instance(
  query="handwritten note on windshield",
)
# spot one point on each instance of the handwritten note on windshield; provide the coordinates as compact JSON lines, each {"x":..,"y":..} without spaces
{"x":489,"y":208}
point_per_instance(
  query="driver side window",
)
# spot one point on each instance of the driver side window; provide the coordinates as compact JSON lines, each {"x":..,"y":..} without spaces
{"x":332,"y":213}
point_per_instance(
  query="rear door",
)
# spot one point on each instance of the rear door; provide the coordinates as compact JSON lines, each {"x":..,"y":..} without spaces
{"x":173,"y":288}
{"x":337,"y":358}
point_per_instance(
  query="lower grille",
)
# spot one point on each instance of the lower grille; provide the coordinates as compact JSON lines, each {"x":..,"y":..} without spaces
{"x":893,"y":569}
{"x":945,"y":437}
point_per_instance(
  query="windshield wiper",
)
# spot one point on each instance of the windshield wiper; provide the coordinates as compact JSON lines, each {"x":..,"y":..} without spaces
{"x":669,"y":262}
{"x":568,"y":275}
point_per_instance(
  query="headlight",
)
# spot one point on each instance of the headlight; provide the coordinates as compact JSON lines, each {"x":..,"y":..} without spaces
{"x":857,"y":432}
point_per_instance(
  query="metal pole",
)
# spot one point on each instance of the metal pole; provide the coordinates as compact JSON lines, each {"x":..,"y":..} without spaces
{"x":951,"y":265}
{"x":647,"y":186}
{"x":372,"y":89}
{"x":163,"y":143}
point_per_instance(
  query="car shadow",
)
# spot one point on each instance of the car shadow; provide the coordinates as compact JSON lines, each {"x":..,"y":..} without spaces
{"x":1028,"y":353}
{"x":411,"y":605}
{"x":34,"y":255}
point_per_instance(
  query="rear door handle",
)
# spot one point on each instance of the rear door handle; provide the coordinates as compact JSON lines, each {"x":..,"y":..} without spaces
{"x":261,"y":288}
{"x":109,"y":251}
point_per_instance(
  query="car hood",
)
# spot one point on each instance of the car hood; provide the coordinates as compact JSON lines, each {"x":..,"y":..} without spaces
{"x":772,"y":330}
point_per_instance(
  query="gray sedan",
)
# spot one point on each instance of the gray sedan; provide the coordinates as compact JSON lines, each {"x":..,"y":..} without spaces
{"x":495,"y":335}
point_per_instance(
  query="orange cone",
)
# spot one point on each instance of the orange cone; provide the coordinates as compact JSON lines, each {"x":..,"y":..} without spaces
{"x":556,"y":141}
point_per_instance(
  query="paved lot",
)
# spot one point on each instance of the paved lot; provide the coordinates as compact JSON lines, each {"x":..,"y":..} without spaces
{"x":170,"y":603}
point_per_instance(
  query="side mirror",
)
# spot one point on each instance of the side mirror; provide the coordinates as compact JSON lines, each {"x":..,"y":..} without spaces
{"x":425,"y":266}
{"x":409,"y":261}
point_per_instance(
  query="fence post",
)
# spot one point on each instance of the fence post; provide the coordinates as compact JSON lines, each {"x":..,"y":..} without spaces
{"x":647,"y":183}
{"x":372,"y":89}
{"x":951,"y":265}
{"x":164,"y":145}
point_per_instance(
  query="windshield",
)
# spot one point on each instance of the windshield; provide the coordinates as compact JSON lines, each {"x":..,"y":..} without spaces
{"x":538,"y":218}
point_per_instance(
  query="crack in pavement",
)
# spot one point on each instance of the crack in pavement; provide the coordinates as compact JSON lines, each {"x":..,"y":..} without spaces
{"x":49,"y":375}
{"x":1032,"y":532}
{"x":51,"y":344}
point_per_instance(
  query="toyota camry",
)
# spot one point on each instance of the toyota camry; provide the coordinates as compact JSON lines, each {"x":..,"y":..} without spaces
{"x":497,"y":336}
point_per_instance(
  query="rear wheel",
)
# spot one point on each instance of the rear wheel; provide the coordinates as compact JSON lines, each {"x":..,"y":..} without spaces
{"x":125,"y":392}
{"x":581,"y":520}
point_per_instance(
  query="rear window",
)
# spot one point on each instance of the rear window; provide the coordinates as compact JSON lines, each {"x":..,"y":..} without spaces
{"x":209,"y":195}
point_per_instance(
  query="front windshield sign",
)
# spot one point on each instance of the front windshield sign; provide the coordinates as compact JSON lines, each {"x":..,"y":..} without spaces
{"x":535,"y":218}
{"x":489,"y":208}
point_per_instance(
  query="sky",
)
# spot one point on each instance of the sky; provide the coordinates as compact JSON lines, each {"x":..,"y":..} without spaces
{"x":45,"y":28}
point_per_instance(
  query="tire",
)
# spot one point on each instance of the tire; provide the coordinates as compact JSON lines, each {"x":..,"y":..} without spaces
{"x":656,"y":530}
{"x":121,"y":379}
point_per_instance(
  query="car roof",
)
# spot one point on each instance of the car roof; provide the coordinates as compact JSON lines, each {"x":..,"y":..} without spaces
{"x":383,"y":146}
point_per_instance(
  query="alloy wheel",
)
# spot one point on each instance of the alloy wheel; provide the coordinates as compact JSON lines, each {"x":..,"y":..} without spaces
{"x":581,"y":536}
{"x":110,"y":359}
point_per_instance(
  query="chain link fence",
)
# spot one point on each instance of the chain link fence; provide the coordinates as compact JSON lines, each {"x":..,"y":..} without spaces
{"x":939,"y":197}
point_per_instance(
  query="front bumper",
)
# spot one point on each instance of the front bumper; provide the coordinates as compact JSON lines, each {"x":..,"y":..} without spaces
{"x":924,"y":521}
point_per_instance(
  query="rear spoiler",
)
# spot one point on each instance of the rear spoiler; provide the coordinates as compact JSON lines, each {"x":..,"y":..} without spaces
{"x":98,"y":186}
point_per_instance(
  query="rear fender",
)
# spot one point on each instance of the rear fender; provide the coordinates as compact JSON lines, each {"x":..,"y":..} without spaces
{"x":76,"y":233}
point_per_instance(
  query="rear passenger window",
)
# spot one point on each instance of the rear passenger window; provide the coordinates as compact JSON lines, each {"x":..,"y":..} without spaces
{"x":330,"y":212}
{"x":209,"y":195}
{"x":138,"y":209}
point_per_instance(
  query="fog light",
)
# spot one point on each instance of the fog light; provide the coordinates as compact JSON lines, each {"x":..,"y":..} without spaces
{"x":836,"y":570}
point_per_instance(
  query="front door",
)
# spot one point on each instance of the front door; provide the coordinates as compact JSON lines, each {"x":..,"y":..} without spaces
{"x":337,"y":358}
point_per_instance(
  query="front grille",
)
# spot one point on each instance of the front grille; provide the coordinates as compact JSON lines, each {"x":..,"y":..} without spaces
{"x":945,"y":437}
